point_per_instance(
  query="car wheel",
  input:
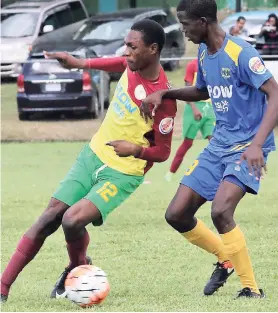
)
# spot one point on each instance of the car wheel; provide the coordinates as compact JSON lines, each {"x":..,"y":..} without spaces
{"x":23,"y":116}
{"x":173,"y":65}
{"x":95,"y":108}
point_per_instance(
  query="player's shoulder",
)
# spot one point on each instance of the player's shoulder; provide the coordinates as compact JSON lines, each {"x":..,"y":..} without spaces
{"x":163,"y":81}
{"x":237,"y":40}
{"x":168,"y":106}
{"x":238,"y":49}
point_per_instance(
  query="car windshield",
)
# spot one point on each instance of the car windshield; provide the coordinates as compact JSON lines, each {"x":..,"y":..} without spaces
{"x":103,"y":30}
{"x":14,"y":25}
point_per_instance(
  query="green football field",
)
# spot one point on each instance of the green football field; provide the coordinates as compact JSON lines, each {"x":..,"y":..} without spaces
{"x":150,"y":267}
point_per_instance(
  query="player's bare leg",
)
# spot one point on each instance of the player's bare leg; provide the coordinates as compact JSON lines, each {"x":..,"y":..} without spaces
{"x":74,"y":222}
{"x":31,"y":243}
{"x":180,"y":212}
{"x":180,"y":215}
{"x":223,"y":208}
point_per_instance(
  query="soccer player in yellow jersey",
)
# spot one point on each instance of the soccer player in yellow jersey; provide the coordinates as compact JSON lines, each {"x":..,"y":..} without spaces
{"x":112,"y":166}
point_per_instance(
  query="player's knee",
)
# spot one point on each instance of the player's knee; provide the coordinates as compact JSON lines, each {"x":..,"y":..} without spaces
{"x":222,"y":212}
{"x":170,"y":217}
{"x":70,"y":221}
{"x":50,"y":220}
{"x":177,"y":218}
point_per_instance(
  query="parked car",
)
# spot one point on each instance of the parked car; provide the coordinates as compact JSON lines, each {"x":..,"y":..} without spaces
{"x":254,"y":22}
{"x":44,"y":86}
{"x":106,"y":32}
{"x":23,"y":22}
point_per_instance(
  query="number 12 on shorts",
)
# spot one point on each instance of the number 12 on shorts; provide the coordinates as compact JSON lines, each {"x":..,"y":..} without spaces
{"x":107,"y":191}
{"x":191,"y":168}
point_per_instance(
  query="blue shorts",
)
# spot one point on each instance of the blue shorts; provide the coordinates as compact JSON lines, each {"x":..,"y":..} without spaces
{"x":213,"y":166}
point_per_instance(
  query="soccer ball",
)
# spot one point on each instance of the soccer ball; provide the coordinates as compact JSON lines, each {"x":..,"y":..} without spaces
{"x":87,"y":285}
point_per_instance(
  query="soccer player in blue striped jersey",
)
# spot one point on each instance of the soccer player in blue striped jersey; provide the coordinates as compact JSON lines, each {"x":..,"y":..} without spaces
{"x":245,"y":100}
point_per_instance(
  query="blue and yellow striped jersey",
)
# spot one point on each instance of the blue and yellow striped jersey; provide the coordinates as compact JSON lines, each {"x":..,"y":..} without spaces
{"x":233,"y":77}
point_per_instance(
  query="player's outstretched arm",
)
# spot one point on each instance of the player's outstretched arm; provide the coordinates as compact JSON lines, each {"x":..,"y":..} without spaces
{"x":66,"y":60}
{"x":188,"y":94}
{"x":113,"y":64}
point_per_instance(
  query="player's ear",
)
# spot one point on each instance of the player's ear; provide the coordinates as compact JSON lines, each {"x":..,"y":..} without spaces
{"x":154,"y":48}
{"x":204,"y":20}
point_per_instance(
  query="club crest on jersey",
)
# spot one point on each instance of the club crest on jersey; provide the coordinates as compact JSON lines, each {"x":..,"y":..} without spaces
{"x":140,"y":93}
{"x":256,"y":65}
{"x":166,"y":125}
{"x":225,"y":72}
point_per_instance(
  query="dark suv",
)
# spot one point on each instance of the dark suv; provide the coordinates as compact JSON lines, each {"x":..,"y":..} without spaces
{"x":106,"y":32}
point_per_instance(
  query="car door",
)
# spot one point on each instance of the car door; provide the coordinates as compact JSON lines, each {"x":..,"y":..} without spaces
{"x":57,"y":17}
{"x":78,"y":11}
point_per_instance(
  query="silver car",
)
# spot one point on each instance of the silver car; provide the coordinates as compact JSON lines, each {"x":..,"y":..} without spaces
{"x":23,"y":22}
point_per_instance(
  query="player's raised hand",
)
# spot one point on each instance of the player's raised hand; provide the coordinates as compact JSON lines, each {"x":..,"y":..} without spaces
{"x":125,"y":148}
{"x":65,"y":59}
{"x":253,"y":155}
{"x":154,"y":100}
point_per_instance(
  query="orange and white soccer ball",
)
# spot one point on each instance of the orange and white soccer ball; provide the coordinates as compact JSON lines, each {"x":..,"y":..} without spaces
{"x":87,"y":285}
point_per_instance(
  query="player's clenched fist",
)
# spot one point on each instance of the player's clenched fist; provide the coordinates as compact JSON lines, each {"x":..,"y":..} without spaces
{"x":125,"y":148}
{"x":65,"y":59}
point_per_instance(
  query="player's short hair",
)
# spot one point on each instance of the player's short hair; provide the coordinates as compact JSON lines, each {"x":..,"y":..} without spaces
{"x":152,"y":32}
{"x":241,"y":18}
{"x":199,"y":8}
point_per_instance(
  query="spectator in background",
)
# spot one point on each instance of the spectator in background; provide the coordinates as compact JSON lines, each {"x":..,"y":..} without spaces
{"x":238,"y":29}
{"x":270,"y":33}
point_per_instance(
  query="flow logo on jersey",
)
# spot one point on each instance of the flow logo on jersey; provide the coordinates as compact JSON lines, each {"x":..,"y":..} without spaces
{"x":122,"y":102}
{"x":124,"y":99}
{"x":217,"y":92}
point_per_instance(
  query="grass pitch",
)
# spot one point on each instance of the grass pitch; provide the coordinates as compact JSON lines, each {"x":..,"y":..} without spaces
{"x":149,"y":265}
